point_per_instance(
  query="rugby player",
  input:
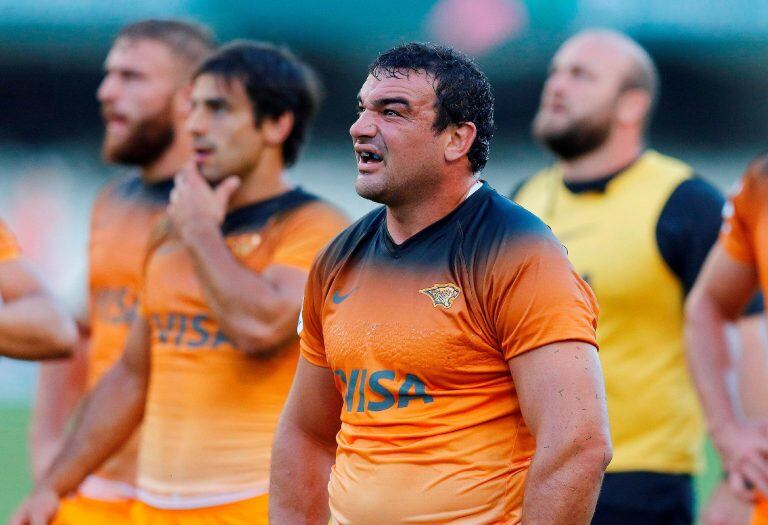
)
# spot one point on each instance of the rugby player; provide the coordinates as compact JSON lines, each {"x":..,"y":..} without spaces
{"x":212,"y":350}
{"x":448,"y":369}
{"x":638,"y":226}
{"x":736,"y":267}
{"x":33,"y":325}
{"x":144,"y":99}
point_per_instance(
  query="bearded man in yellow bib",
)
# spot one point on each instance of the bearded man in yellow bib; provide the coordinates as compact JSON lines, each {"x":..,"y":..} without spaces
{"x":637,"y":225}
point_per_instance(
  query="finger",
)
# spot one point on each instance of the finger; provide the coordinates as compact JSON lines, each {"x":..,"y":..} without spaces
{"x":226,"y":188}
{"x":19,"y":518}
{"x":174,"y":197}
{"x":759,"y":462}
{"x":738,"y":486}
{"x":753,"y":475}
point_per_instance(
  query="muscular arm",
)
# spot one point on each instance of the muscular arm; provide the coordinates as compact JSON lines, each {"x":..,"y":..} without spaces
{"x":60,"y":389}
{"x":305,"y":448}
{"x":256,"y":311}
{"x":109,"y":415}
{"x":723,"y":288}
{"x":562,"y":397}
{"x":32,"y":325}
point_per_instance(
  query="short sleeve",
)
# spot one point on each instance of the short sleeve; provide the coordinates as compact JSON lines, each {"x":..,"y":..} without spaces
{"x":9,"y":247}
{"x":306,"y":233}
{"x":539,"y":299}
{"x":310,"y":327}
{"x":688,"y":227}
{"x":739,"y":214}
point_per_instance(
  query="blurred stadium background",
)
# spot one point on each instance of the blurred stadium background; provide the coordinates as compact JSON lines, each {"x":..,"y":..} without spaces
{"x":713,"y":111}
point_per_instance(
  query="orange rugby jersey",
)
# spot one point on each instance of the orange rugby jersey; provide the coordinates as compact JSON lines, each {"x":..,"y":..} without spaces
{"x":121,"y":224}
{"x":9,"y":247}
{"x":745,"y":228}
{"x":211,"y":410}
{"x":418,"y":337}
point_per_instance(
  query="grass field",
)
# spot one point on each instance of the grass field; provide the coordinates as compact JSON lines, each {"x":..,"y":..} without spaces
{"x":14,"y":476}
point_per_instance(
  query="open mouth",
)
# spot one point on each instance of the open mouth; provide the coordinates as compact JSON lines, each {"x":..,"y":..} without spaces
{"x":202,"y":153}
{"x":367,"y":157}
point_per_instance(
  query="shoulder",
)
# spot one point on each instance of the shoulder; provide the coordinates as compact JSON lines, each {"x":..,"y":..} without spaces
{"x":694,"y":194}
{"x":502,"y":228}
{"x":345,"y":242}
{"x":123,"y":186}
{"x":315,"y":211}
{"x":666,"y":164}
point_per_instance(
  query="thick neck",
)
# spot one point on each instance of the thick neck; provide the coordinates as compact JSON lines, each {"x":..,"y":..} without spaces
{"x":406,"y":220}
{"x":617,"y":153}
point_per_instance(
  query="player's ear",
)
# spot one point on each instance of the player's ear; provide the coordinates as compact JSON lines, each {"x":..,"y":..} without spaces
{"x":276,"y":130}
{"x":633,"y":106}
{"x":460,"y":139}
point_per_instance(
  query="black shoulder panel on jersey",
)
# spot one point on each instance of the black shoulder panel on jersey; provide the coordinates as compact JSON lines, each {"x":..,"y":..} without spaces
{"x":688,"y":228}
{"x":254,"y":216}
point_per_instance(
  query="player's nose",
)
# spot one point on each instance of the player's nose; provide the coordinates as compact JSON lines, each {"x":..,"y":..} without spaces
{"x":107,"y":90}
{"x":196,"y":123}
{"x":364,"y":126}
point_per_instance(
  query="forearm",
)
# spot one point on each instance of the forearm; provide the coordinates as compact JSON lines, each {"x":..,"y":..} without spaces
{"x":34,"y":327}
{"x":60,"y":388}
{"x":752,"y":367}
{"x":250,"y":309}
{"x":562,"y":485}
{"x":709,"y":362}
{"x":301,"y":468}
{"x":109,"y":416}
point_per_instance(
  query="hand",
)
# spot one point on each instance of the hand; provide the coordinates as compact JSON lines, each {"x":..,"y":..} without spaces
{"x":726,"y":508}
{"x":194,"y":204}
{"x":744,"y":451}
{"x":39,"y":509}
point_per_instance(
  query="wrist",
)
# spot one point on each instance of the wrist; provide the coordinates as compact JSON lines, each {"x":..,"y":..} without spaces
{"x":197,"y":229}
{"x":46,"y":485}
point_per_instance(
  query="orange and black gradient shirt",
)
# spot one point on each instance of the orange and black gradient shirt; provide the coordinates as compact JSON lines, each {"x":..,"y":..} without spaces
{"x":122,"y":220}
{"x":418,"y":337}
{"x":211,"y":410}
{"x":9,"y":247}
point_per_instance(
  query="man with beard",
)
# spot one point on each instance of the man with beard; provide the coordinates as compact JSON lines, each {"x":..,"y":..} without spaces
{"x":144,"y":99}
{"x":32,"y":325}
{"x":448,"y":372}
{"x":212,"y":348}
{"x":637,"y":225}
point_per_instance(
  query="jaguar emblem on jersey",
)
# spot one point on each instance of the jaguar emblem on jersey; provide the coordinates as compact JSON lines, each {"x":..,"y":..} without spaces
{"x":442,"y":295}
{"x":244,"y":247}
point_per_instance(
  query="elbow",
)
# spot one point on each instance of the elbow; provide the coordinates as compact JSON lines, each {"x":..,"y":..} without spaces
{"x":62,"y":337}
{"x":592,"y":454}
{"x":257,"y":339}
{"x":602,"y":452}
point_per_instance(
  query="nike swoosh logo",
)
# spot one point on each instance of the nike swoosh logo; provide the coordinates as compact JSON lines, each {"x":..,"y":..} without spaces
{"x":338,"y":299}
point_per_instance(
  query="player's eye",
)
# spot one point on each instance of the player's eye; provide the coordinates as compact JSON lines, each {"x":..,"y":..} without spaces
{"x":390,"y":113}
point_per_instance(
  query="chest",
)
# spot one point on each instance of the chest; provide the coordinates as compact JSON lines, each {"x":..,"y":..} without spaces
{"x":172,"y":283}
{"x":408,"y":316}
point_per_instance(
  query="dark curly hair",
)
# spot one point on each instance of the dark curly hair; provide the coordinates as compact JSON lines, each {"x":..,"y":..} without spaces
{"x":462,"y":91}
{"x":276,"y":83}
